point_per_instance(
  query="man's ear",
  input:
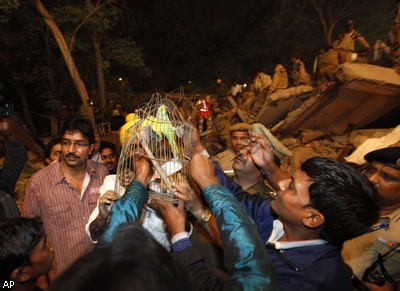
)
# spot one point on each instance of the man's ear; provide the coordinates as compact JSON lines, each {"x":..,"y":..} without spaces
{"x":20,"y":275}
{"x":92,"y":147}
{"x":313,"y":218}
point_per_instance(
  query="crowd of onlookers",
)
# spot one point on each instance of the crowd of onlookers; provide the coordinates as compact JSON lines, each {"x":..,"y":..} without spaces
{"x":237,"y":220}
{"x":214,"y":112}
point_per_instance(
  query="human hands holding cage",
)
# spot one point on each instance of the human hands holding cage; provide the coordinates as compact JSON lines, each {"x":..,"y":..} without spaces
{"x":161,"y":134}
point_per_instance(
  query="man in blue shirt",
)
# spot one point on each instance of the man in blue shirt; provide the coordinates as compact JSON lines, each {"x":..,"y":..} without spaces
{"x":306,"y":221}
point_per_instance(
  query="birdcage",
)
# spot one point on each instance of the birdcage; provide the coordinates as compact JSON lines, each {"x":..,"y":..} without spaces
{"x":160,"y":133}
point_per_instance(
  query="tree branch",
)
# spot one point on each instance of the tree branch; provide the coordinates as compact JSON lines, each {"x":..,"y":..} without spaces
{"x":342,"y":12}
{"x":93,"y":11}
{"x":321,"y":17}
{"x":79,"y":85}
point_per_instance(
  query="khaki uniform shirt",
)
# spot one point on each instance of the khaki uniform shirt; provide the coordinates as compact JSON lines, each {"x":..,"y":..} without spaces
{"x":225,"y":160}
{"x":362,"y":251}
{"x":280,"y":79}
{"x":346,"y":44}
{"x":300,"y":75}
{"x":261,"y":82}
{"x":331,"y":57}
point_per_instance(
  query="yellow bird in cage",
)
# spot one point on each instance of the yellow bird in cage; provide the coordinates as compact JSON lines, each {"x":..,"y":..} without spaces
{"x":162,"y":125}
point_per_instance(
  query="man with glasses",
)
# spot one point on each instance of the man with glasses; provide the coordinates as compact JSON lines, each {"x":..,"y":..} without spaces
{"x":65,"y":193}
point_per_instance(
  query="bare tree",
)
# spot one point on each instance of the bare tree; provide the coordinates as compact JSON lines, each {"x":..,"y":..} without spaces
{"x":330,"y":13}
{"x":79,"y":85}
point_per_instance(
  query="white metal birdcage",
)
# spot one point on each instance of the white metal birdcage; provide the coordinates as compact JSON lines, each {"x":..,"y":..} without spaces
{"x":160,"y":133}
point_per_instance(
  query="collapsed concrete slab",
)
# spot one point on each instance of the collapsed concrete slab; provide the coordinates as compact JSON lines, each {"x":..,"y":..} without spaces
{"x":278,"y":104}
{"x":371,"y":144}
{"x":362,"y":94}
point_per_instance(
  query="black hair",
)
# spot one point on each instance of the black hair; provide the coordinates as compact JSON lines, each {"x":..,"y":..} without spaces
{"x":133,"y":261}
{"x":18,"y":237}
{"x":107,"y":145}
{"x":47,"y":149}
{"x":344,"y":196}
{"x":82,"y":125}
{"x":116,"y":122}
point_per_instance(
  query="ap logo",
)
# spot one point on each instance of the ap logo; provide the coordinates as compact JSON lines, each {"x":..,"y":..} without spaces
{"x":8,"y":284}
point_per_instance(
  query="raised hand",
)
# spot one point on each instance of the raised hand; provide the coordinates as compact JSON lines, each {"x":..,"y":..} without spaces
{"x":201,"y":169}
{"x":262,"y":152}
{"x":192,"y":201}
{"x":174,"y":216}
{"x":196,"y":142}
{"x":126,"y":177}
{"x":143,"y":170}
{"x":106,"y":201}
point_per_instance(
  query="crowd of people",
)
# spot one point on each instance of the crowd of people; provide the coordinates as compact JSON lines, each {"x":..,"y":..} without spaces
{"x":237,"y":222}
{"x":329,"y":226}
{"x":251,"y":97}
{"x":349,"y":46}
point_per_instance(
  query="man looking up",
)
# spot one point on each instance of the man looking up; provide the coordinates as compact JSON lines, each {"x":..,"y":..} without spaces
{"x":360,"y":253}
{"x":247,"y":174}
{"x":65,"y":193}
{"x":322,"y":205}
{"x":239,"y":139}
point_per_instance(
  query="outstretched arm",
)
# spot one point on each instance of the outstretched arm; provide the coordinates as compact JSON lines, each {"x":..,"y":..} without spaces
{"x":263,"y":157}
{"x":199,"y":210}
{"x":245,"y":257}
{"x":183,"y":251}
{"x":257,"y":207}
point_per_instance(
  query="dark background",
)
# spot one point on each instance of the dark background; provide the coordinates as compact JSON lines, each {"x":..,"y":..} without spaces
{"x":159,"y":45}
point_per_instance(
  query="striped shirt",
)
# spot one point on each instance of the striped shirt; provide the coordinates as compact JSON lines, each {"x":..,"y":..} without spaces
{"x":64,"y":210}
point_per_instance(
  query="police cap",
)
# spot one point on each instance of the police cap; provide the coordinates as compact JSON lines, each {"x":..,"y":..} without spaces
{"x":239,"y":127}
{"x":389,"y":156}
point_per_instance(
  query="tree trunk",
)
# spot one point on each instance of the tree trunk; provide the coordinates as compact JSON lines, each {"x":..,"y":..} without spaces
{"x":79,"y":85}
{"x":25,"y":109}
{"x":49,"y":63}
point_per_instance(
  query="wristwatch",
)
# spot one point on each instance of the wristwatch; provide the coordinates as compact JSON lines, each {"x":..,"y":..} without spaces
{"x":205,"y":217}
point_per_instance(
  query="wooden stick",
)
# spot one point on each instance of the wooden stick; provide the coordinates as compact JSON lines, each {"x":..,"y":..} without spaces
{"x":239,"y":111}
{"x":156,"y":165}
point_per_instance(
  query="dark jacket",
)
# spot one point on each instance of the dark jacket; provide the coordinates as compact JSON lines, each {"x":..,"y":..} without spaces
{"x":318,"y":267}
{"x":14,"y":163}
